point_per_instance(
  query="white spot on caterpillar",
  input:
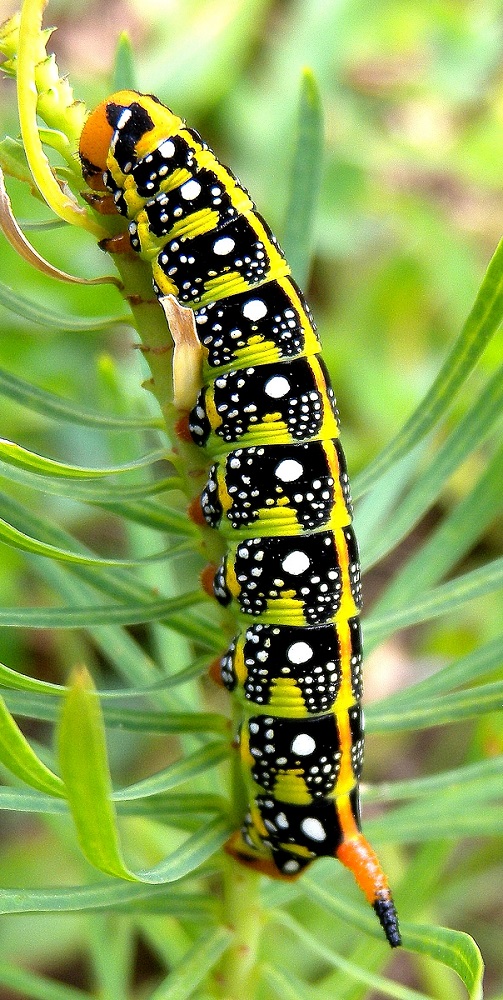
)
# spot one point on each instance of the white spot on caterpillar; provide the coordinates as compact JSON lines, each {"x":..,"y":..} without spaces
{"x":254,"y":309}
{"x":124,"y":118}
{"x":277,"y":386}
{"x":190,"y":189}
{"x":295,"y":563}
{"x":291,"y":867}
{"x":313,"y":828}
{"x":223,"y":246}
{"x":303,"y":745}
{"x":167,"y":149}
{"x":289,"y":470}
{"x":299,"y":652}
{"x":281,"y":821}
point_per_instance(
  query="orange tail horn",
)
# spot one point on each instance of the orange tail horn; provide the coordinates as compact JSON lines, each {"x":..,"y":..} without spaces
{"x":357,"y":855}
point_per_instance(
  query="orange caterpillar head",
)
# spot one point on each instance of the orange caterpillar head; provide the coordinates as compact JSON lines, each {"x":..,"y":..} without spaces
{"x":97,"y":135}
{"x":142,"y":116}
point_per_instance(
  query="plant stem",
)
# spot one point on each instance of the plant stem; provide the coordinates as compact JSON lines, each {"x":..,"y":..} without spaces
{"x":157,"y":345}
{"x":235,"y":976}
{"x":241,"y":908}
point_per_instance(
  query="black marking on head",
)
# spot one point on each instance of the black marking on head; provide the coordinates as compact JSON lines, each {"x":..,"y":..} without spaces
{"x":139,"y":122}
{"x":128,"y":133}
{"x":89,"y":169}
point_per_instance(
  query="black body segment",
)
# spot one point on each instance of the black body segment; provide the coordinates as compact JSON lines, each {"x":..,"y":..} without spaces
{"x":300,"y":580}
{"x":271,"y":403}
{"x":270,"y":323}
{"x":279,"y":489}
{"x":291,"y":669}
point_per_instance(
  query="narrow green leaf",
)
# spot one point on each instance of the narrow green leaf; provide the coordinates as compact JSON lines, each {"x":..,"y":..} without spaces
{"x":413,"y":824}
{"x":40,"y":226}
{"x":18,"y":756}
{"x":192,"y":854}
{"x":194,"y":967}
{"x":105,"y":496}
{"x":154,"y":515}
{"x":305,"y":179}
{"x":24,"y":800}
{"x":375,"y":509}
{"x":176,"y":806}
{"x":14,"y":164}
{"x":18,"y":540}
{"x":131,"y":662}
{"x":111,"y":943}
{"x":479,"y":662}
{"x":116,"y":582}
{"x":186,"y":769}
{"x":482,"y":322}
{"x":447,"y":597}
{"x":341,"y":906}
{"x":202,"y":631}
{"x":283,"y":986}
{"x":21,"y":682}
{"x":452,"y":540}
{"x":85,"y":617}
{"x":111,"y":894}
{"x":34,"y":987}
{"x":84,"y":766}
{"x":419,"y":788}
{"x":51,"y":405}
{"x":471,"y":794}
{"x":14,"y":453}
{"x":439,"y":711}
{"x":456,"y":950}
{"x":41,"y":315}
{"x":124,"y":74}
{"x":469,"y":433}
{"x":165,"y":808}
{"x":41,"y":706}
{"x":376,"y":982}
{"x":454,"y":810}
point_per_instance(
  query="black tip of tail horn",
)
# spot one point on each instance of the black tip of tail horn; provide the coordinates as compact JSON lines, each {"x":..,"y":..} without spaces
{"x":388,"y":919}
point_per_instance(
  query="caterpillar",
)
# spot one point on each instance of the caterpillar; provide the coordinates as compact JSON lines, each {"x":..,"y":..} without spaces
{"x":277,"y":489}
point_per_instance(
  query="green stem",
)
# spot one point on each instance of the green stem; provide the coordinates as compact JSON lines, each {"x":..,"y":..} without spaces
{"x":241,"y":909}
{"x":235,"y":977}
{"x":241,"y":906}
